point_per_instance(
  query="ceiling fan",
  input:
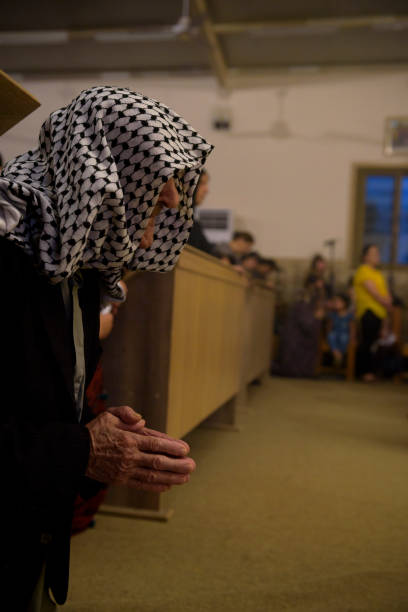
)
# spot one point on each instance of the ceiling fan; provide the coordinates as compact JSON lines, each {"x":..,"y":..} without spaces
{"x":281,"y":130}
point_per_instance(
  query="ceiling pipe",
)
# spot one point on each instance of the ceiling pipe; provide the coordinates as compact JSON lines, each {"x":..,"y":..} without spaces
{"x":182,"y":26}
{"x":117,"y":35}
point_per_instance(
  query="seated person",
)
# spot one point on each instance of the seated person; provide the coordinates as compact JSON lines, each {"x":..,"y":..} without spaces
{"x":300,"y":336}
{"x":240,"y":245}
{"x":266,"y":270}
{"x":249,"y":264}
{"x":318,"y":270}
{"x":108,"y":313}
{"x":386,"y":352}
{"x":197,"y":237}
{"x":339,"y":331}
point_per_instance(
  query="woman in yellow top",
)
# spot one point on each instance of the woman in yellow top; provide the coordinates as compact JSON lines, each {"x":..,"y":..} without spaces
{"x":373,"y":303}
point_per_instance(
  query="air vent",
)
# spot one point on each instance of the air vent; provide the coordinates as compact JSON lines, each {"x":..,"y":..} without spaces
{"x":217,"y":224}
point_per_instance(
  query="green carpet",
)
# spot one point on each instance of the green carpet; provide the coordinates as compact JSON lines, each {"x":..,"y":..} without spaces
{"x":306,"y":509}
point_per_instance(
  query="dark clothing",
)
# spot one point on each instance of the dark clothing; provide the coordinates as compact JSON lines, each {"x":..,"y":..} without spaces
{"x":85,"y":509}
{"x":370,"y":327}
{"x":223,"y":249}
{"x":198,"y":240}
{"x":326,"y":292}
{"x":44,"y":450}
{"x":388,"y":361}
{"x":300,"y":341}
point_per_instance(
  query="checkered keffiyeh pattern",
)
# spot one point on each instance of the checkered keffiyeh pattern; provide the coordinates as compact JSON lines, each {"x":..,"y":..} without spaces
{"x":83,"y":198}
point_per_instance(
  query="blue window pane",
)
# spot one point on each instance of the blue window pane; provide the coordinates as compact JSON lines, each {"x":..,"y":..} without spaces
{"x":402,"y":256}
{"x":379,"y":199}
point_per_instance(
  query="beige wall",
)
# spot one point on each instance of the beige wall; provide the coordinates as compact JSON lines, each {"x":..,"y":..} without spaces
{"x":293,"y":194}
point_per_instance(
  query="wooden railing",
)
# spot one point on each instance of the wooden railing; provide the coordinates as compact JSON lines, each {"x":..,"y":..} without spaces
{"x":183,"y":350}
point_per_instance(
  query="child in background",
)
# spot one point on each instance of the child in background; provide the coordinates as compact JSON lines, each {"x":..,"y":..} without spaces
{"x":249,"y":263}
{"x":339,"y":335}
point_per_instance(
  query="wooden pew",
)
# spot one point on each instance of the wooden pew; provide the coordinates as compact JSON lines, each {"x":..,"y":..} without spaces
{"x":177,"y":354}
{"x":259,"y":330}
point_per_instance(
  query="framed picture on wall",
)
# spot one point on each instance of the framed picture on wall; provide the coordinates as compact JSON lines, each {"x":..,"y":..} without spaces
{"x":396,"y":136}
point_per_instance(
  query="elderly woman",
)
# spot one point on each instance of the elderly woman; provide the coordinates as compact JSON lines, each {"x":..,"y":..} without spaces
{"x":373,"y":302}
{"x":317,"y":273}
{"x":109,"y":186}
{"x":299,"y":343}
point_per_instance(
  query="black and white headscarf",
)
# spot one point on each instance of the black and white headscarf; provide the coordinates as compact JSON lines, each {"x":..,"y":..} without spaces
{"x":83,"y":198}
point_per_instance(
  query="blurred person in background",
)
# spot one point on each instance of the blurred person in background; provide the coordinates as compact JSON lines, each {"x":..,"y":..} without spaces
{"x":373,"y":303}
{"x":266,"y":270}
{"x":339,"y":322}
{"x":317,"y":274}
{"x":197,"y":237}
{"x":386,"y":351}
{"x":234,"y":250}
{"x":249,"y":263}
{"x":300,"y":336}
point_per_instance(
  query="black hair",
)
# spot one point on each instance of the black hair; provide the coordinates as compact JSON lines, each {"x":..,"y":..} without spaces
{"x":366,"y":248}
{"x":316,"y":258}
{"x":345,"y":297}
{"x":243,"y":236}
{"x":1,"y":160}
{"x":251,"y":255}
{"x":269,"y":262}
{"x":311,"y":279}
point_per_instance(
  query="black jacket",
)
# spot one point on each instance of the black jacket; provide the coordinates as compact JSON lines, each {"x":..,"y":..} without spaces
{"x":43,"y":449}
{"x":198,"y":240}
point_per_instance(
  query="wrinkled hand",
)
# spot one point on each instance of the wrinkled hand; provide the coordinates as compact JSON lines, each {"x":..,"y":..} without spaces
{"x":123,"y":451}
{"x":132,"y":421}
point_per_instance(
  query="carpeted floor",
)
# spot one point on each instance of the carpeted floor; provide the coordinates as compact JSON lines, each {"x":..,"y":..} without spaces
{"x":306,"y":509}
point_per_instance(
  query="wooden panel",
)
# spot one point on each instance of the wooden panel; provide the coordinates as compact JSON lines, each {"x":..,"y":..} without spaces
{"x":176,"y":353}
{"x":259,"y":317}
{"x":206,"y":339}
{"x":15,"y":102}
{"x":136,"y":354}
{"x":136,"y":369}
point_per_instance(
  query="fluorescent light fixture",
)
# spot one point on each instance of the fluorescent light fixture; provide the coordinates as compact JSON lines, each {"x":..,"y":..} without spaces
{"x":115,"y":75}
{"x":124,"y":37}
{"x":34,"y":37}
{"x":282,"y":31}
{"x":305,"y":69}
{"x":391,"y":26}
